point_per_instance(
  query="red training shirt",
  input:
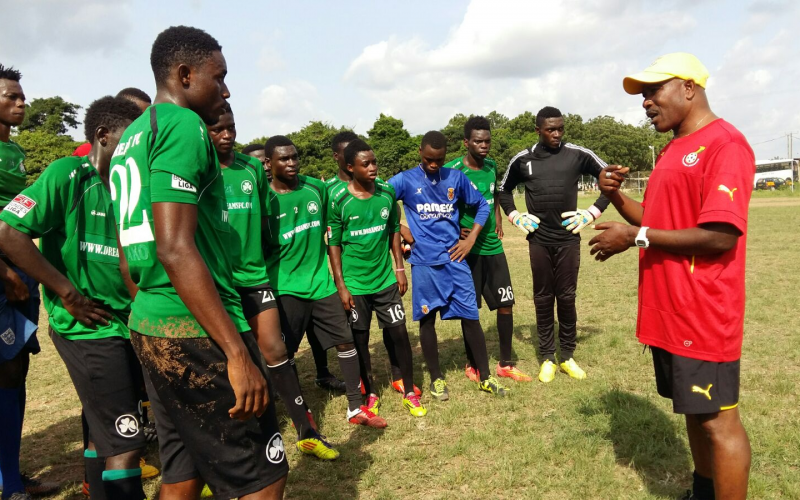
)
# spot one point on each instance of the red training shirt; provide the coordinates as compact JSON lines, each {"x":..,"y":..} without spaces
{"x":693,"y":306}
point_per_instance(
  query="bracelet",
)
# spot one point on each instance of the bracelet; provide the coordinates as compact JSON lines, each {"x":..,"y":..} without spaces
{"x":401,"y":269}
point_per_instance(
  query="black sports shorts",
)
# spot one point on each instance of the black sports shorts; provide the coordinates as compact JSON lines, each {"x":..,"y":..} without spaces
{"x":387,"y":304}
{"x":327,"y":314}
{"x":492,"y":280}
{"x":256,"y":299}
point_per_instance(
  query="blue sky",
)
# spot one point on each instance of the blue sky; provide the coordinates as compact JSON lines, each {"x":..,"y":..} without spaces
{"x":346,"y":62}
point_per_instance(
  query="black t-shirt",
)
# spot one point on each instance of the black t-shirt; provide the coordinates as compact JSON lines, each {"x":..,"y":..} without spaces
{"x":551,"y":179}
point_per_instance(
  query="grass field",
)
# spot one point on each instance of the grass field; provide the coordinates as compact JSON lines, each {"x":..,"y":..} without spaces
{"x":610,"y":436}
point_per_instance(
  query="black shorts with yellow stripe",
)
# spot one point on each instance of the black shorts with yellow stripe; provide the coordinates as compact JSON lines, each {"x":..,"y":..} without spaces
{"x":696,"y":387}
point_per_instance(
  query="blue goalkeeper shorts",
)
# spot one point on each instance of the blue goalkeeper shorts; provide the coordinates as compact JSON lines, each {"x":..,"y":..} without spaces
{"x":18,"y":324}
{"x":446,"y":287}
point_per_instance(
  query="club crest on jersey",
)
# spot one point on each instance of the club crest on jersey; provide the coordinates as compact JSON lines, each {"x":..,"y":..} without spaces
{"x":247,"y":187}
{"x":425,"y":309}
{"x":20,"y":205}
{"x":312,"y":207}
{"x":451,"y":193}
{"x":127,"y":426}
{"x":8,"y":337}
{"x":384,"y":213}
{"x":692,"y":158}
{"x":276,"y":452}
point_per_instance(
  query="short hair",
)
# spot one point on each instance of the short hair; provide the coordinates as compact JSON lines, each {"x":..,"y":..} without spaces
{"x":132,"y":93}
{"x":253,"y":147}
{"x":343,"y":136}
{"x":9,"y":73}
{"x":110,"y":112}
{"x":276,"y":141}
{"x":434,"y":139}
{"x":545,"y":113}
{"x":180,"y":45}
{"x":351,"y":151}
{"x":476,"y":123}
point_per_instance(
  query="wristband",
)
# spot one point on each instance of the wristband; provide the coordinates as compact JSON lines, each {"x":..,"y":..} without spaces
{"x":401,"y":269}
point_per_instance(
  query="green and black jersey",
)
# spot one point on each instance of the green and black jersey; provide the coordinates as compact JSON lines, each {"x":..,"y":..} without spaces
{"x":69,"y":209}
{"x":12,"y":171}
{"x":246,"y":192}
{"x":165,"y":156}
{"x":484,"y":180}
{"x":364,"y":230}
{"x":294,"y":241}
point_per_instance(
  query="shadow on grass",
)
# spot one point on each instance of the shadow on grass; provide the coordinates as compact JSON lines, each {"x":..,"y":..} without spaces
{"x":644,"y":439}
{"x":47,"y":456}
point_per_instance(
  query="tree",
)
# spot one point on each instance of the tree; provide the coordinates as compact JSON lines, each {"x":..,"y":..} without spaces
{"x":52,"y":115}
{"x":313,"y":143}
{"x":394,"y":147}
{"x":42,"y":149}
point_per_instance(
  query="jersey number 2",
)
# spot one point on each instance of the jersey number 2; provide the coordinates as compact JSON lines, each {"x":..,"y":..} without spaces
{"x":128,"y":203}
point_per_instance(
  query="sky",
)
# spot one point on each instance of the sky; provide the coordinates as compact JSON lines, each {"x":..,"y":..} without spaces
{"x":344,"y":63}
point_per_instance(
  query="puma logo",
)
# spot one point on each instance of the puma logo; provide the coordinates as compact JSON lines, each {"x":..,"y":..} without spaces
{"x":704,"y":392}
{"x":725,"y":189}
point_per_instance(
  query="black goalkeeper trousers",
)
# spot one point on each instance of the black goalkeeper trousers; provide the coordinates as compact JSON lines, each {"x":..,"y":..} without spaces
{"x":555,"y":280}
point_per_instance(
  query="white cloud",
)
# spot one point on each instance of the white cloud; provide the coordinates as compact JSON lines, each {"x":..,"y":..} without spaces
{"x":288,"y":107}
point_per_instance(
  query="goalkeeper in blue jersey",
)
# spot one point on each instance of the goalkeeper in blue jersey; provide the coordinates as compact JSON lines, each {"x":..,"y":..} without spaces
{"x":440,"y":275}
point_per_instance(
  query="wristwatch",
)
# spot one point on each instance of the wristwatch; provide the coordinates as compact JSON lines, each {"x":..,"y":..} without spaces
{"x":641,"y":238}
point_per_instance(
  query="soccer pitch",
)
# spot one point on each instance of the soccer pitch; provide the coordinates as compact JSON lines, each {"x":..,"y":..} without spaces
{"x":609,"y":436}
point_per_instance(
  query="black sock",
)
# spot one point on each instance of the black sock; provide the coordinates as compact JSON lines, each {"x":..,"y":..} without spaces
{"x":505,"y":330}
{"x":399,"y":336}
{"x":473,"y":335}
{"x":123,"y":484}
{"x":320,"y":354}
{"x":284,"y":379}
{"x":85,"y":429}
{"x":361,"y":339}
{"x":348,"y":364}
{"x":430,"y":345}
{"x":397,"y":374}
{"x":470,"y":357}
{"x":93,"y":472}
{"x":702,"y":487}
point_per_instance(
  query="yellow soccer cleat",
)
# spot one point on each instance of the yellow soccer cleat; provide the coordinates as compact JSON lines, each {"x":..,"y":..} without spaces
{"x":547,"y":372}
{"x":318,"y":447}
{"x":571,"y":368}
{"x":493,"y":386}
{"x":414,"y":407}
{"x":148,"y":471}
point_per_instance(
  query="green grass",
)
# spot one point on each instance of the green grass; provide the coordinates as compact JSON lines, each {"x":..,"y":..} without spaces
{"x":610,"y":436}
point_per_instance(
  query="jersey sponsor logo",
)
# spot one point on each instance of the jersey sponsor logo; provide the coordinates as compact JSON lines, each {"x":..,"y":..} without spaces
{"x":98,"y":214}
{"x":384,"y":213}
{"x":240,"y":205}
{"x":353,"y":217}
{"x":247,"y":187}
{"x":299,"y":229}
{"x":692,"y":158}
{"x":313,"y":207}
{"x":98,"y":249}
{"x":127,"y":426}
{"x":20,"y":205}
{"x":276,"y":453}
{"x":124,"y":146}
{"x":8,"y":337}
{"x":705,"y":392}
{"x":725,"y":189}
{"x":435,"y":210}
{"x":225,"y":216}
{"x":367,"y":230}
{"x":182,"y":184}
{"x":451,"y":193}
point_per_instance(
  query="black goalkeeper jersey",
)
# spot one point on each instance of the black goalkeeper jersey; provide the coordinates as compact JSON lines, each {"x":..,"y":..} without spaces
{"x":551,"y":179}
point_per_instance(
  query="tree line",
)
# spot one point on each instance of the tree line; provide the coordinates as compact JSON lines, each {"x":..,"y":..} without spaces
{"x":43,"y":136}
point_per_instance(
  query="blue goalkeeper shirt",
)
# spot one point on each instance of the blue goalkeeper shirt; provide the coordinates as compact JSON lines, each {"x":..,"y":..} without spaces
{"x":431,"y":207}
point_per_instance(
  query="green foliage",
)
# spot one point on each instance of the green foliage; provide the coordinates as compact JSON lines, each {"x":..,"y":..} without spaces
{"x":313,"y":144}
{"x":52,"y":115}
{"x":394,"y":147}
{"x":42,"y":149}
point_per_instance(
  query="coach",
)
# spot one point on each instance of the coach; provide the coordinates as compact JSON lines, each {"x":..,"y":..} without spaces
{"x":691,"y":230}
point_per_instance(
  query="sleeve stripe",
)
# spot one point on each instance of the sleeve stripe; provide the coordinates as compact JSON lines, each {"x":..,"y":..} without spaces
{"x":589,"y":152}
{"x":505,"y":175}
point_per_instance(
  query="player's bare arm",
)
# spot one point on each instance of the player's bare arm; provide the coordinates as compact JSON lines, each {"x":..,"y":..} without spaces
{"x":335,"y":256}
{"x":22,"y":251}
{"x":399,"y":267}
{"x":175,"y":225}
{"x":462,"y":248}
{"x":124,"y":270}
{"x":707,"y":239}
{"x":498,"y":217}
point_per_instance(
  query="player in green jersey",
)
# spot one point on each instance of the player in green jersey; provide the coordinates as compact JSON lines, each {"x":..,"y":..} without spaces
{"x":486,"y":260}
{"x":297,"y":264}
{"x":257,"y":151}
{"x":363,"y":226}
{"x":246,"y":192}
{"x":342,"y":177}
{"x":69,"y":209}
{"x":208,"y":394}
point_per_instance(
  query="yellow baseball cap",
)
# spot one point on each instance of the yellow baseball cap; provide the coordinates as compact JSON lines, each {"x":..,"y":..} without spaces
{"x":676,"y":65}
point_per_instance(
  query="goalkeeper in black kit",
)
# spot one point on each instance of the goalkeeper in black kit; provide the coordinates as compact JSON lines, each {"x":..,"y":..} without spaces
{"x":550,"y":171}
